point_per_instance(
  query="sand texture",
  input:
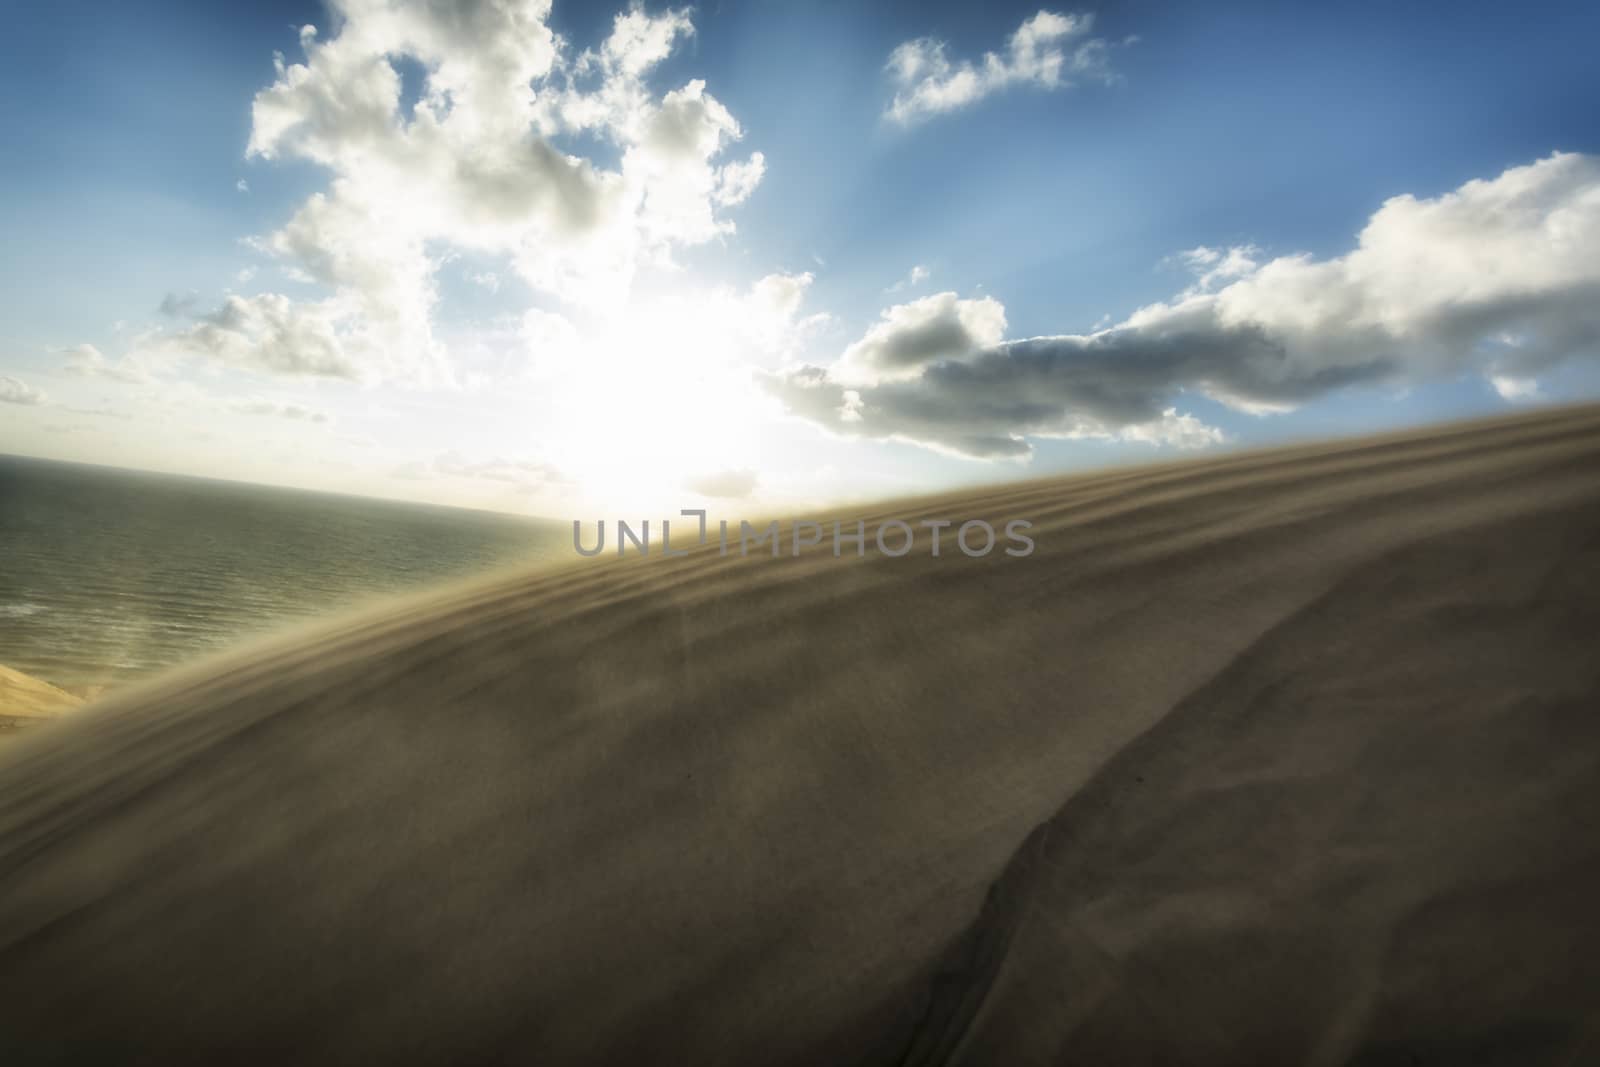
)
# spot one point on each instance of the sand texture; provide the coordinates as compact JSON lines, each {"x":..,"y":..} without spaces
{"x":26,"y":701}
{"x":1279,"y":757}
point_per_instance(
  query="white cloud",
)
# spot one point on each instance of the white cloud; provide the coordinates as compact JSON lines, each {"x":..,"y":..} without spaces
{"x":736,"y":180}
{"x":1515,"y":389}
{"x":242,"y":185}
{"x":16,"y":391}
{"x":272,"y":333}
{"x":382,"y":278}
{"x":1049,"y":51}
{"x":89,"y":361}
{"x":1498,"y":277}
{"x":670,"y":164}
{"x":1213,"y":266}
{"x":914,"y":277}
{"x":1182,"y":432}
{"x":472,"y":167}
{"x":766,"y":322}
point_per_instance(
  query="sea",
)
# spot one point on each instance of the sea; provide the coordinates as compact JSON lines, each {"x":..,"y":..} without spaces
{"x":108,"y":576}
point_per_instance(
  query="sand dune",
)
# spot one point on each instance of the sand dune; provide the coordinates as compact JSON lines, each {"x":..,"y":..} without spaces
{"x":26,"y":701}
{"x":1280,"y":757}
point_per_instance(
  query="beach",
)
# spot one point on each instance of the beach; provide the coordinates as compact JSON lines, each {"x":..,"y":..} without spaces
{"x":26,"y":701}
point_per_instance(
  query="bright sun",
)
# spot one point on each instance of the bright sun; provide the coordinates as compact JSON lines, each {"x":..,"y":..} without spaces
{"x":663,"y":394}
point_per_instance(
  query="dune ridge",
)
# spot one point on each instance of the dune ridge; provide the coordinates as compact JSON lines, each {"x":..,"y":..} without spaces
{"x":1322,"y":730}
{"x":722,"y":810}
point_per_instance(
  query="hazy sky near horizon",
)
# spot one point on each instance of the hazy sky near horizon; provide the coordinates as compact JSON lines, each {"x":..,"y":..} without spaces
{"x":768,"y":254}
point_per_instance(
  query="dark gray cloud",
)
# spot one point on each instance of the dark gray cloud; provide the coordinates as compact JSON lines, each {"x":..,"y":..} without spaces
{"x":1497,"y":278}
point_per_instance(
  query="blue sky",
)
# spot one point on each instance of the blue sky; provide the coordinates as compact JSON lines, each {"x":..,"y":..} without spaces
{"x":1278,"y":128}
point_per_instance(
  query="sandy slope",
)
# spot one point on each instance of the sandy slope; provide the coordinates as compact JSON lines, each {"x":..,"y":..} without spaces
{"x":1311,"y":739}
{"x":25,"y":700}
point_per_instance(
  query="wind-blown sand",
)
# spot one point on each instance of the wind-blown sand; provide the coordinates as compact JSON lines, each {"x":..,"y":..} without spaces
{"x":26,"y":701}
{"x":1280,"y":757}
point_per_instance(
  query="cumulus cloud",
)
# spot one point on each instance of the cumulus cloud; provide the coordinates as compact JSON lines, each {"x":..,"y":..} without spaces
{"x":471,"y":166}
{"x":671,"y":164}
{"x":1214,"y":266}
{"x":726,"y":485}
{"x":273,"y":334}
{"x":766,"y":320}
{"x":16,"y":391}
{"x":1049,"y":51}
{"x":908,"y":338}
{"x":90,"y":362}
{"x":780,"y":294}
{"x":1497,"y":278}
{"x":1171,"y":429}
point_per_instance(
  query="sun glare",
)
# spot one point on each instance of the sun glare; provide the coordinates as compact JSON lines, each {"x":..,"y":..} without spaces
{"x":664,"y":394}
